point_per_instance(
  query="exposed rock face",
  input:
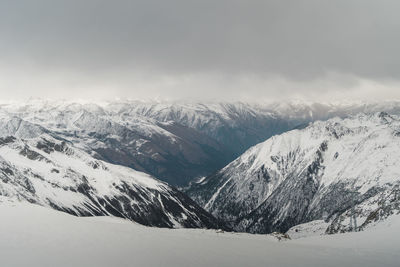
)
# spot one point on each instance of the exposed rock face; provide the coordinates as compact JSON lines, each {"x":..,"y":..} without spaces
{"x":56,"y":174}
{"x":319,"y":172}
{"x":173,"y":141}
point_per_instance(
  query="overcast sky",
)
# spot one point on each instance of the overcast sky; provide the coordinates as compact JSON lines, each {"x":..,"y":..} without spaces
{"x":235,"y":50}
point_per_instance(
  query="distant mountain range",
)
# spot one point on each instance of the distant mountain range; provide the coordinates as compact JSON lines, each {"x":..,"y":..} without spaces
{"x":175,"y":142}
{"x":111,"y":159}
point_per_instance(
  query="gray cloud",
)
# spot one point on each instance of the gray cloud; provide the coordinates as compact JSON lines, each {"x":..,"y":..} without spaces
{"x":268,"y":49}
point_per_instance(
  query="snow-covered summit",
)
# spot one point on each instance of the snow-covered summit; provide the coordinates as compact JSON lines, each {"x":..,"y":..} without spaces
{"x":177,"y":141}
{"x":309,"y":174}
{"x":54,"y":173}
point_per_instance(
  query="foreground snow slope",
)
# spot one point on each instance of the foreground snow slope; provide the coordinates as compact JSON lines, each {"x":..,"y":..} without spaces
{"x":35,"y":236}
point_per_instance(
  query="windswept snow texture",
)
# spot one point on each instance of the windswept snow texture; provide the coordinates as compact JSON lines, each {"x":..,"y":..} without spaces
{"x":38,"y":237}
{"x":54,"y":173}
{"x":173,"y":141}
{"x":317,"y":173}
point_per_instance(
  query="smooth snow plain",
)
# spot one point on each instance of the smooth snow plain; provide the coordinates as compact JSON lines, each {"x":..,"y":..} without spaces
{"x":32,"y":235}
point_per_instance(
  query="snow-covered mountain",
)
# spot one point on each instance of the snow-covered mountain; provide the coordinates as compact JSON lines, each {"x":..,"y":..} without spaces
{"x":316,"y":173}
{"x":170,"y":151}
{"x":173,"y":141}
{"x":178,"y":142}
{"x":52,"y":172}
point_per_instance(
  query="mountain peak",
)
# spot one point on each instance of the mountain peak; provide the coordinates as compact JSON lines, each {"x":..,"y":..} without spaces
{"x":298,"y":176}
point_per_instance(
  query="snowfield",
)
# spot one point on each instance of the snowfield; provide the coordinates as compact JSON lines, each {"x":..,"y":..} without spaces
{"x":32,"y":235}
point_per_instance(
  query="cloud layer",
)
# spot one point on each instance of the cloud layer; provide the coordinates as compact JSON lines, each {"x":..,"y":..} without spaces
{"x":200,"y":49}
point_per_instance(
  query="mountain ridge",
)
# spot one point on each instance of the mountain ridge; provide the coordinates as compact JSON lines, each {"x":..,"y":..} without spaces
{"x":305,"y":175}
{"x":54,"y":173}
{"x":174,"y":141}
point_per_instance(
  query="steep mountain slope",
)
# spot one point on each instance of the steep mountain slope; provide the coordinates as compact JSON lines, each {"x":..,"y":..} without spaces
{"x":52,"y":172}
{"x":311,"y":174}
{"x":167,"y":150}
{"x":235,"y":125}
{"x":176,"y":142}
{"x":241,"y":125}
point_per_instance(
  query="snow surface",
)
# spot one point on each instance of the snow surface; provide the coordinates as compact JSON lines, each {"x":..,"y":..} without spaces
{"x":313,"y":228}
{"x":36,"y":236}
